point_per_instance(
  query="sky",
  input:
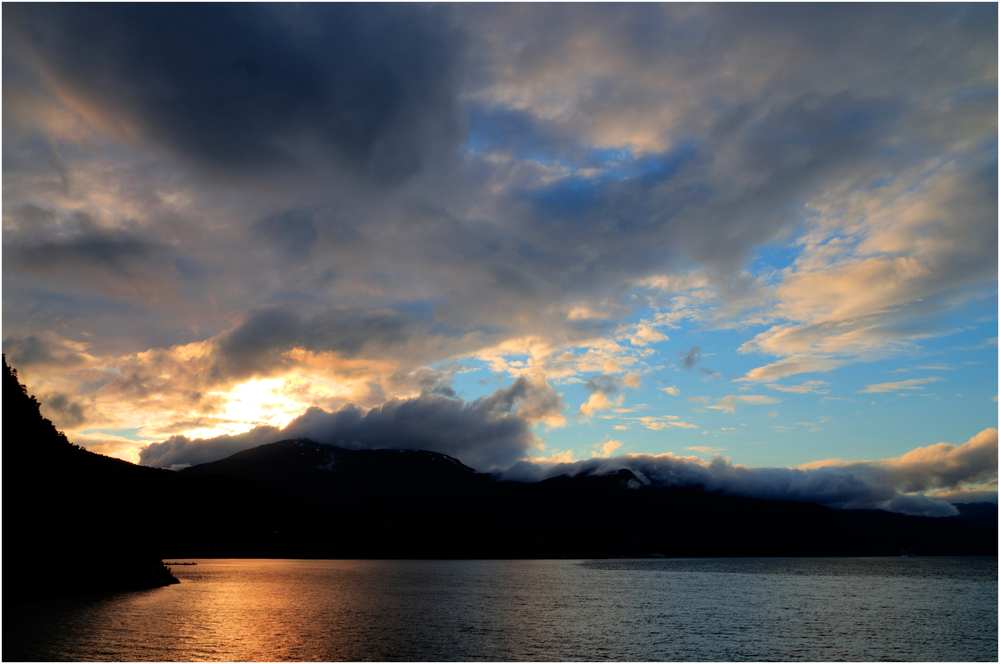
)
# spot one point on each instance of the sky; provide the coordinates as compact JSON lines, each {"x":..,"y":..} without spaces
{"x":749,"y":246}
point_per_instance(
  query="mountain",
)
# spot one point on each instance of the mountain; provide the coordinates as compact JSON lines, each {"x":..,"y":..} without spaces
{"x":409,"y":503}
{"x":75,"y":521}
{"x":346,"y":480}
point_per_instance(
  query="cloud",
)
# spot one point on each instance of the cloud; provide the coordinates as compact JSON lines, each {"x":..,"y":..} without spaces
{"x":967,"y":496}
{"x":63,"y":410}
{"x":790,"y":367}
{"x":117,"y":258}
{"x":632,"y":379}
{"x":259,"y":342}
{"x":645,"y":334}
{"x":660,"y":423}
{"x":598,"y":402}
{"x":809,"y":386}
{"x":607,"y":448}
{"x":912,"y":384}
{"x":601,"y":386}
{"x":179,"y":451}
{"x":947,"y":466}
{"x":906,"y":484}
{"x":294,"y":231}
{"x":557,"y":456}
{"x":46,"y":349}
{"x":690,"y":357}
{"x":345,"y":198}
{"x":705,"y":449}
{"x":914,"y":248}
{"x":671,"y":390}
{"x":487,"y":434}
{"x":116,"y":251}
{"x":536,"y":401}
{"x":257,"y":88}
{"x":728,"y":403}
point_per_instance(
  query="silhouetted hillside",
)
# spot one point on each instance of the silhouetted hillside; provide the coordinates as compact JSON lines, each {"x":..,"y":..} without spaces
{"x":62,"y":531}
{"x":424,"y":504}
{"x":74,"y":520}
{"x":348,"y":480}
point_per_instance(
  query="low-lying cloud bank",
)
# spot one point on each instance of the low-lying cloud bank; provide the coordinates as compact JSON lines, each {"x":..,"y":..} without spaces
{"x":489,"y":434}
{"x":923,"y":482}
{"x":494,"y":434}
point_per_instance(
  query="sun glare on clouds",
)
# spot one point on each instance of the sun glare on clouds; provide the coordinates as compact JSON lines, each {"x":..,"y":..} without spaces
{"x":252,"y":404}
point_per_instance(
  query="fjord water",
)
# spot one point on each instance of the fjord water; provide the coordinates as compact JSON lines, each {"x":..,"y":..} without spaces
{"x":856,"y":609}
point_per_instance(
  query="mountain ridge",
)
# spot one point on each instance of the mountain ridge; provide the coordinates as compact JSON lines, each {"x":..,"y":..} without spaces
{"x":297,"y":498}
{"x":598,"y":514}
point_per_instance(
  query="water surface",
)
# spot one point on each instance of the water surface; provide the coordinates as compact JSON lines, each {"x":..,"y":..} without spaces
{"x":856,"y":609}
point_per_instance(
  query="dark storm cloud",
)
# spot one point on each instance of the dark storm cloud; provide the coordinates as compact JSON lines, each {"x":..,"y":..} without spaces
{"x":607,"y":144}
{"x":584,"y":233}
{"x":535,"y":400}
{"x":664,"y":210}
{"x":878,"y":29}
{"x":120,"y":260}
{"x":443,"y":390}
{"x":294,"y":231}
{"x":179,"y":452}
{"x":46,"y":239}
{"x":33,"y":350}
{"x":62,"y":410}
{"x":438,"y":382}
{"x":483,"y":433}
{"x":33,"y":216}
{"x":794,"y":113}
{"x":257,"y":344}
{"x":117,"y":251}
{"x":252,"y":87}
{"x":487,"y":433}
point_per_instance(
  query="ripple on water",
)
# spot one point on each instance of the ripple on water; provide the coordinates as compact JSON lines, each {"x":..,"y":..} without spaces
{"x":857,"y":609}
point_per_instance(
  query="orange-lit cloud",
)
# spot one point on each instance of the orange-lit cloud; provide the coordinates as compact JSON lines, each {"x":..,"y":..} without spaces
{"x":912,"y":384}
{"x":728,"y":403}
{"x":915,"y":240}
{"x":597,"y":402}
{"x":207,"y":242}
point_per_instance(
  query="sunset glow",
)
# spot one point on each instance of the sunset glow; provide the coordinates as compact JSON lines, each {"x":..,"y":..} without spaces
{"x":477,"y":331}
{"x":526,"y":236}
{"x":251,"y":404}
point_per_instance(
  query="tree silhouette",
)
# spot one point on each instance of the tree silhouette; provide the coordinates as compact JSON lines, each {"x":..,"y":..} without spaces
{"x":58,"y":506}
{"x":23,"y":422}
